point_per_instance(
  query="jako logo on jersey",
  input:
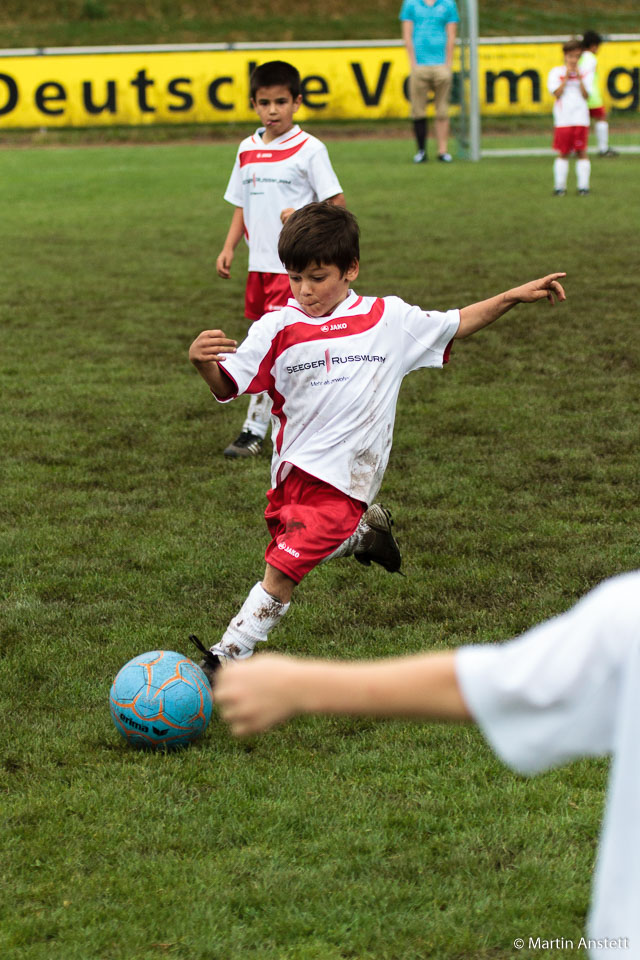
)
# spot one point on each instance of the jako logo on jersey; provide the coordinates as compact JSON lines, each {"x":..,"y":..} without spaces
{"x":333,"y":326}
{"x":283,"y":546}
{"x":263,"y":156}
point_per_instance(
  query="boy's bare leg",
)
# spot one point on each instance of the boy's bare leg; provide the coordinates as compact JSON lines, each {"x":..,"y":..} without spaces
{"x":278,"y":585}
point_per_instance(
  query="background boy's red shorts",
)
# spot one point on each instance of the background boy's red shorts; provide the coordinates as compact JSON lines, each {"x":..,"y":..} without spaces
{"x":568,"y":139}
{"x":598,"y":113}
{"x":265,"y":292}
{"x":307,"y":519}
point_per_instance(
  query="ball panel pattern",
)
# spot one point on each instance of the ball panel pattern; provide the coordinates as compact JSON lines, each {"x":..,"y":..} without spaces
{"x":160,"y":698}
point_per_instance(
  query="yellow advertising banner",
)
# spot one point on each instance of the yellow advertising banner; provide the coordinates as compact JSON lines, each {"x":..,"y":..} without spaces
{"x":126,"y":86}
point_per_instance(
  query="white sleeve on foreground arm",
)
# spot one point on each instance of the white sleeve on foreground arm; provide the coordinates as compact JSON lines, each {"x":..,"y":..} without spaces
{"x":552,"y":695}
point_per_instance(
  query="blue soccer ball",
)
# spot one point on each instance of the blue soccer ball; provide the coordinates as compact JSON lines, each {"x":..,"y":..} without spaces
{"x":160,"y":699}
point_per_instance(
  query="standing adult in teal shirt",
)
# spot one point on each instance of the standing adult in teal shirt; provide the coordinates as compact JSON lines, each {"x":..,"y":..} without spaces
{"x":429,"y":34}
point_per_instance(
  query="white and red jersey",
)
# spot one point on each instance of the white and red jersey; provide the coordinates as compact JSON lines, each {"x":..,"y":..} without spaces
{"x":571,"y":109}
{"x":290,"y":171}
{"x":570,"y":688}
{"x":334,"y":382}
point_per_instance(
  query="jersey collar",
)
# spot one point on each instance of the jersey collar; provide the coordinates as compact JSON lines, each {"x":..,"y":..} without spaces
{"x":352,"y":299}
{"x":289,"y":135}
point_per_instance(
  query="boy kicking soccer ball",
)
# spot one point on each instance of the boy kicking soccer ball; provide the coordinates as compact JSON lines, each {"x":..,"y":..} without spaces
{"x":333,"y":363}
{"x":568,"y":688}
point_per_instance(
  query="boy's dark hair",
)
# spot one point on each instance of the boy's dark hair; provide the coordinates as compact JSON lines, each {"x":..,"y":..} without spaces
{"x":571,"y":45}
{"x":275,"y":73}
{"x":321,"y":233}
{"x":591,"y":39}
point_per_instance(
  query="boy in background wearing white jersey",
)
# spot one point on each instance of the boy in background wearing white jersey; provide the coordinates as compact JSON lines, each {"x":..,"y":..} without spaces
{"x":333,"y":363}
{"x":277,"y":170}
{"x":568,"y":688}
{"x":571,"y":87}
{"x":588,"y":62}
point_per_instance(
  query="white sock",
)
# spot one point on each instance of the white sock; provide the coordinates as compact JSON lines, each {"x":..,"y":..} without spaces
{"x":583,"y":173}
{"x":351,"y":544}
{"x":602,"y":135}
{"x":258,"y":415}
{"x":560,"y":173}
{"x":259,"y":613}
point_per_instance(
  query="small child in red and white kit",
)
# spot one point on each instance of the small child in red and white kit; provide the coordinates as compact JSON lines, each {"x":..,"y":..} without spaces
{"x":571,"y":88}
{"x":332,"y":362}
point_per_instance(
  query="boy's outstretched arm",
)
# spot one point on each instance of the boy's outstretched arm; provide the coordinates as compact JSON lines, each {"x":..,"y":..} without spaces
{"x":205,"y":352}
{"x":479,"y":315}
{"x":256,"y":694}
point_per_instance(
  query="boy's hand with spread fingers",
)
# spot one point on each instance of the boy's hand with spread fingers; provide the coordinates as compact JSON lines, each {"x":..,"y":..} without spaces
{"x":211,"y":346}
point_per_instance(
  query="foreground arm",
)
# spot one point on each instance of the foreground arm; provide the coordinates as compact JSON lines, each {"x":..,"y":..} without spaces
{"x":205,"y":352}
{"x":234,"y":236}
{"x":256,"y":694}
{"x":480,"y":315}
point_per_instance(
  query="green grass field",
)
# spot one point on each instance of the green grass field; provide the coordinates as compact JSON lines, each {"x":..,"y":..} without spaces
{"x":513,"y":481}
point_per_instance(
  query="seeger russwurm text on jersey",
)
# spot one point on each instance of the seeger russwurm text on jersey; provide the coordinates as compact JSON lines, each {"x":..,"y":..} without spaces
{"x":335,"y":381}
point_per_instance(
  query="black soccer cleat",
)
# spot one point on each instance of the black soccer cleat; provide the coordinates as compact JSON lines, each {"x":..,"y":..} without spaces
{"x":246,"y":445}
{"x":379,"y":544}
{"x":210,"y":664}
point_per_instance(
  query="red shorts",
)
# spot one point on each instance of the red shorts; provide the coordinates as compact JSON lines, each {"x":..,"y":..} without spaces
{"x":568,"y":139}
{"x":308,"y":519}
{"x":597,"y":113}
{"x":265,"y":292}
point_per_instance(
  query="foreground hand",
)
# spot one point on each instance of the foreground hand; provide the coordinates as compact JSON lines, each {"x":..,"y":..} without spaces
{"x":544,"y":289}
{"x":211,"y":346}
{"x":255,"y":694}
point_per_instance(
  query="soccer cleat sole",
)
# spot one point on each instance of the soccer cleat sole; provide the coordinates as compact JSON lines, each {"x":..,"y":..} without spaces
{"x":379,"y":519}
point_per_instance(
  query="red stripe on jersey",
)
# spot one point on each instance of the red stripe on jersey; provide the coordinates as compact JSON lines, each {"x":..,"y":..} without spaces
{"x":268,"y":156}
{"x":342,"y":327}
{"x":276,"y":410}
{"x":357,"y":302}
{"x":298,"y":134}
{"x":264,"y":381}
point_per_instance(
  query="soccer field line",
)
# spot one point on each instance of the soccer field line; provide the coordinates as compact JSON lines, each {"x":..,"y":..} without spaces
{"x":545,"y":151}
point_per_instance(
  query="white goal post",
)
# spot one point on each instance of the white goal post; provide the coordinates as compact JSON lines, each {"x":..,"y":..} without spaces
{"x":468,"y":126}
